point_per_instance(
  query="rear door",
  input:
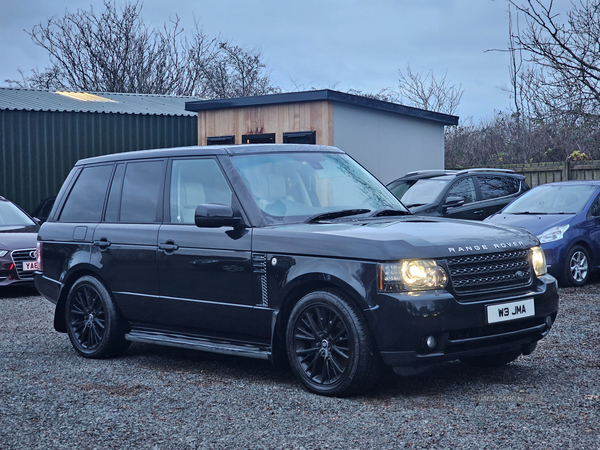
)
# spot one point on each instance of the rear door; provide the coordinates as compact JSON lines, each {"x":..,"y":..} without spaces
{"x":126,"y":241}
{"x":497,"y":191}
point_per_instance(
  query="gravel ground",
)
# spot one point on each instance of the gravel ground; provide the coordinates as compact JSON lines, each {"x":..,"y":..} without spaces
{"x":162,"y":398}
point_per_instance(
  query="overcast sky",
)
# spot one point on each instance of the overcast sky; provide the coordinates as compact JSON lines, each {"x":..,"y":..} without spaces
{"x":337,"y":44}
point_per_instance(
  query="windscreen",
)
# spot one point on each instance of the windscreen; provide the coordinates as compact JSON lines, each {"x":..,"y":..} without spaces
{"x":292,"y":187}
{"x":418,"y":192}
{"x":552,"y":199}
{"x":10,"y":215}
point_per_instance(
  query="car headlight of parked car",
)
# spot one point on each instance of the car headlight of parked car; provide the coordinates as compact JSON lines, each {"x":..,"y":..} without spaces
{"x":3,"y":253}
{"x":538,"y":261}
{"x":411,"y":275}
{"x":553,"y":234}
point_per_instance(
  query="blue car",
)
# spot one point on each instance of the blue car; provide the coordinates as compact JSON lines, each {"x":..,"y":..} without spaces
{"x":565,"y":216}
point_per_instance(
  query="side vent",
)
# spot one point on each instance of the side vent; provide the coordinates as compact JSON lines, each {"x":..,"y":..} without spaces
{"x":259,"y":263}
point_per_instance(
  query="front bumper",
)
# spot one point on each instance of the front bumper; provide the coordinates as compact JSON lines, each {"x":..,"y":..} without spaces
{"x":402,"y":323}
{"x":555,"y":253}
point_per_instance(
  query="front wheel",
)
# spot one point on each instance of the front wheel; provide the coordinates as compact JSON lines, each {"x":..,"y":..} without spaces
{"x":329,"y":347}
{"x":93,"y":323}
{"x":576,"y":272}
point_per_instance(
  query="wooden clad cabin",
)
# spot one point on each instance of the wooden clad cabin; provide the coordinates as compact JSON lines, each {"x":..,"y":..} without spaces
{"x":389,"y":139}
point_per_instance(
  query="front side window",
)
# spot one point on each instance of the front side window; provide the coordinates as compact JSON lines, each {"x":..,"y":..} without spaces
{"x":86,"y":200}
{"x":195,"y":182}
{"x":464,"y":189}
{"x":497,"y":186}
{"x":292,"y":187}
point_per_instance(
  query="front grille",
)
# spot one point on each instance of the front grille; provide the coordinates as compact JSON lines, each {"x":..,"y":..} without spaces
{"x":484,"y":273}
{"x":18,"y":257}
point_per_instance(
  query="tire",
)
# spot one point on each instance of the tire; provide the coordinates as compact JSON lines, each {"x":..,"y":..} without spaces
{"x":329,"y":346}
{"x":93,"y":323}
{"x":577,"y":270}
{"x":494,"y":360}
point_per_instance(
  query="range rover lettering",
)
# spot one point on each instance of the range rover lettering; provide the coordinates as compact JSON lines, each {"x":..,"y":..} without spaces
{"x":290,"y":253}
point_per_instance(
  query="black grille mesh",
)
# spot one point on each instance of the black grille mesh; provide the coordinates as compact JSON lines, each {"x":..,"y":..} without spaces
{"x":496,"y":271}
{"x":18,"y":257}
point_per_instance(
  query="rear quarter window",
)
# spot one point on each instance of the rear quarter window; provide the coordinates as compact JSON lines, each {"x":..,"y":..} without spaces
{"x":86,"y":199}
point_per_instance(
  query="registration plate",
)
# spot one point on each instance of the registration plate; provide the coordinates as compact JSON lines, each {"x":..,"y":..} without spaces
{"x":30,"y":266}
{"x":511,"y":311}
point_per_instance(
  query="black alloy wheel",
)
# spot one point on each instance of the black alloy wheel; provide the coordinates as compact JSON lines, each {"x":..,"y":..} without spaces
{"x":329,"y":347}
{"x":93,"y":324}
{"x":577,"y":271}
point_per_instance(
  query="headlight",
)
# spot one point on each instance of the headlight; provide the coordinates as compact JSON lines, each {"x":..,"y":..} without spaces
{"x":553,"y":234}
{"x":3,"y":253}
{"x":538,"y":261}
{"x":411,"y":275}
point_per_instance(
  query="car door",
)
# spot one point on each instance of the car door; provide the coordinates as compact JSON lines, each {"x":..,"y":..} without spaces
{"x":471,"y":209}
{"x":206,"y":274}
{"x":126,"y":240}
{"x":497,"y":191}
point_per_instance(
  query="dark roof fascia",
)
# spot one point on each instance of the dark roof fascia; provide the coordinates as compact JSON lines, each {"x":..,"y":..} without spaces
{"x":325,"y":94}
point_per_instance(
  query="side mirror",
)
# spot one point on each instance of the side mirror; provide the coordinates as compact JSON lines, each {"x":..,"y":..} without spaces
{"x":453,"y":202}
{"x":213,"y":215}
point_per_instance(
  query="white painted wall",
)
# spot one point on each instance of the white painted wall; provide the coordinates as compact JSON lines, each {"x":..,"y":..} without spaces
{"x":387,"y":144}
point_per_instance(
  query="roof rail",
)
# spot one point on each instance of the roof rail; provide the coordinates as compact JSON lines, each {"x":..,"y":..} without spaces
{"x":483,"y":169}
{"x":432,"y":172}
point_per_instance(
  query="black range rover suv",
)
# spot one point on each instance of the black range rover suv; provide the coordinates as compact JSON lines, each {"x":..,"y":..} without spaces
{"x":283,"y":252}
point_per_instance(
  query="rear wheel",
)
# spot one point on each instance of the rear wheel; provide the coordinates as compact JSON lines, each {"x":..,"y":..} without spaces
{"x":329,"y":347}
{"x":93,"y":323}
{"x":576,"y":271}
{"x":494,"y":360}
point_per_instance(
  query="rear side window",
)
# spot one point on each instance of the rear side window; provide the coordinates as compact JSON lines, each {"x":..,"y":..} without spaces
{"x":497,"y":186}
{"x":86,"y":200}
{"x":141,"y":187}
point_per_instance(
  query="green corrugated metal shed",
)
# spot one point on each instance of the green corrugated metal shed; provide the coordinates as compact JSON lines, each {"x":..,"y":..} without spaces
{"x":44,"y":133}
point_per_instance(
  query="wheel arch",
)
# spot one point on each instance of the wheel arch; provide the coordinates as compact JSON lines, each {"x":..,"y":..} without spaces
{"x":70,"y":279}
{"x":292,"y":295}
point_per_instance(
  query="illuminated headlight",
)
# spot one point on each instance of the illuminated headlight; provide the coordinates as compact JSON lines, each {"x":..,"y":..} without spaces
{"x":3,"y":253}
{"x":411,"y":275}
{"x":538,"y":261}
{"x":553,"y":234}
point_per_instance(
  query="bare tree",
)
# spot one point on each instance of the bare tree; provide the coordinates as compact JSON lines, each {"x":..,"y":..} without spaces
{"x":564,"y":76}
{"x":427,"y":92}
{"x":236,"y":72}
{"x":116,"y":52}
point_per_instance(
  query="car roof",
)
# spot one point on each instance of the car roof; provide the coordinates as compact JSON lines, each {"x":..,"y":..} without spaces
{"x":210,"y":150}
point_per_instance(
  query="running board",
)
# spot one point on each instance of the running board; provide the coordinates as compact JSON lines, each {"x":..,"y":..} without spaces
{"x":198,"y":343}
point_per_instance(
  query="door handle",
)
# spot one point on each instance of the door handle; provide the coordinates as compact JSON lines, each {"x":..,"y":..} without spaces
{"x":102,"y":243}
{"x":168,"y":246}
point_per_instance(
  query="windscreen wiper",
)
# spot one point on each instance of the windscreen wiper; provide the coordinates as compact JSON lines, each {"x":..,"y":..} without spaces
{"x":389,"y":212}
{"x":336,"y":215}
